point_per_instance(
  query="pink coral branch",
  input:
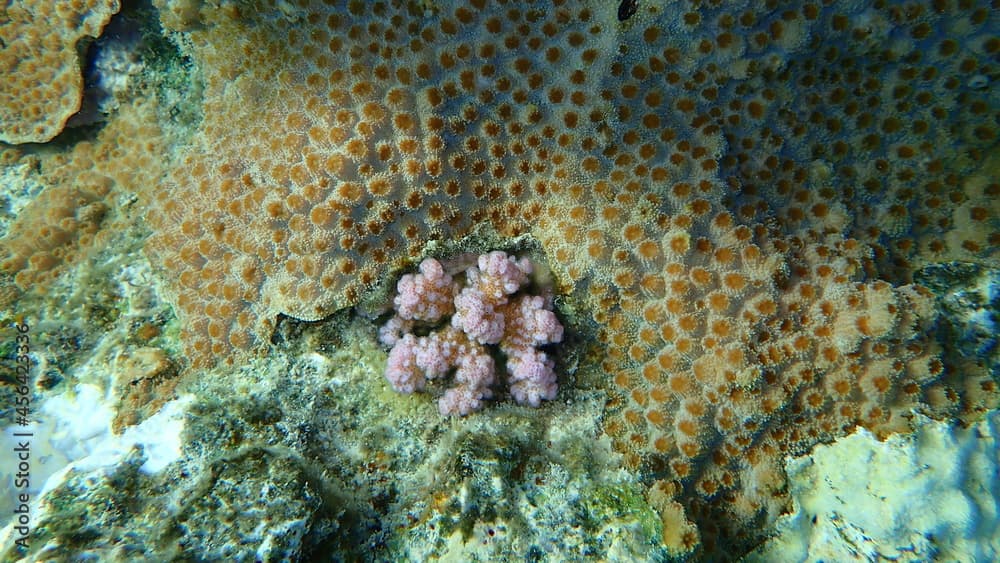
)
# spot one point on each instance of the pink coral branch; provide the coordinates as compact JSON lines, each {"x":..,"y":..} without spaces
{"x":486,"y":311}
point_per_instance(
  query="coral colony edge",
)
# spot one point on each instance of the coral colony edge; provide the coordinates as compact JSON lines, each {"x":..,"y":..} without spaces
{"x":491,"y":280}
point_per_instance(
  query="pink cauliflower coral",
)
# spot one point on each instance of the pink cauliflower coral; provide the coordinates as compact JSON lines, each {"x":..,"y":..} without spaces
{"x":485,"y":311}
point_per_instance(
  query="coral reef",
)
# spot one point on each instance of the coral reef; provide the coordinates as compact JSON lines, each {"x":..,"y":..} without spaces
{"x":88,"y":200}
{"x":40,"y":56}
{"x":51,"y":232}
{"x":722,"y":237}
{"x":734,"y":198}
{"x":486,"y":310}
{"x":102,"y":371}
{"x":95,"y":186}
{"x":271,"y":468}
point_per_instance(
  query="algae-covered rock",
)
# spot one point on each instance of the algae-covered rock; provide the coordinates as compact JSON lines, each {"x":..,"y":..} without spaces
{"x":929,"y":496}
{"x":532,"y":485}
{"x":252,"y":504}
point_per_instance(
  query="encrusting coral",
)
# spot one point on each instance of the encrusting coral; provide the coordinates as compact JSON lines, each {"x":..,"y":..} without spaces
{"x":80,"y":210}
{"x":674,"y":187}
{"x":486,"y":311}
{"x":40,"y":61}
{"x":737,"y":243}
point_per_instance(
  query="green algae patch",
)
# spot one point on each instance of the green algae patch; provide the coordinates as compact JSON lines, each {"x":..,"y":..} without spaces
{"x":623,"y":506}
